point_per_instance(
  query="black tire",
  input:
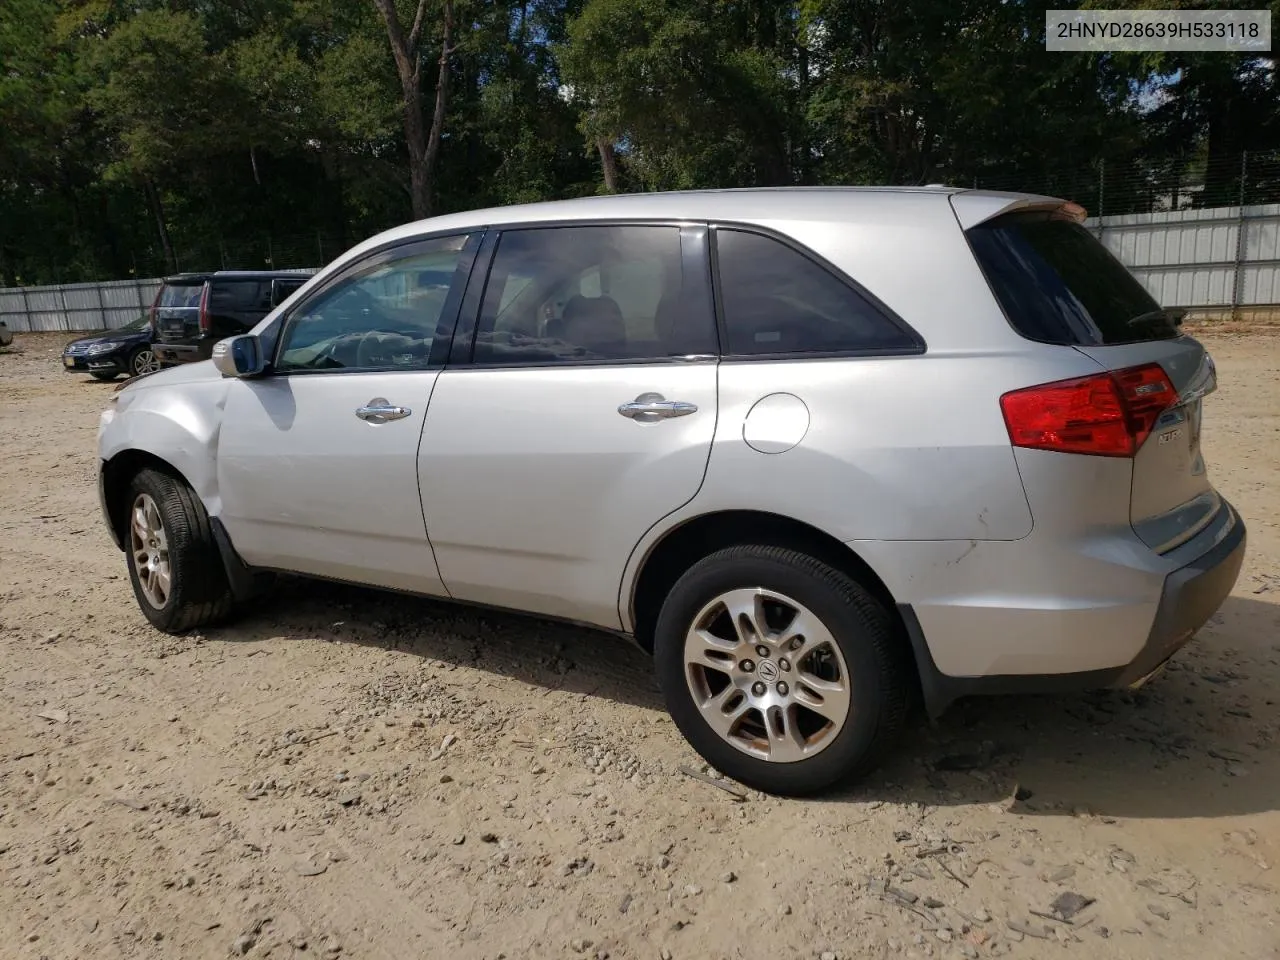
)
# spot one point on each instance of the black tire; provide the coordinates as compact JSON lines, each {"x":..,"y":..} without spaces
{"x":104,"y":377}
{"x":136,"y":360}
{"x":199,"y":594}
{"x":865,"y":632}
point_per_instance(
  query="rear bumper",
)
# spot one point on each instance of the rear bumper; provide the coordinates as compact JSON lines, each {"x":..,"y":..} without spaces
{"x":1190,"y":595}
{"x":188,"y":351}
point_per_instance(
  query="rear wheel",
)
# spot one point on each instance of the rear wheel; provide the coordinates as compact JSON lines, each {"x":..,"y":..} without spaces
{"x":174,"y":564}
{"x":781,"y":671}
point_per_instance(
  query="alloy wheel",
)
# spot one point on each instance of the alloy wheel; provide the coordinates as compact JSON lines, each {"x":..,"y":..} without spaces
{"x":150,"y":549}
{"x":145,"y":361}
{"x":767,"y":675}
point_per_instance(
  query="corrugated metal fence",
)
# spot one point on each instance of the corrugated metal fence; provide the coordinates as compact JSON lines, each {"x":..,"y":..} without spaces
{"x":76,"y":306}
{"x":1216,"y":259}
{"x":1220,"y":258}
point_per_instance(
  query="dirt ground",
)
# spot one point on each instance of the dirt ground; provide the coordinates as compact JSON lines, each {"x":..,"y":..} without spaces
{"x":354,"y":774}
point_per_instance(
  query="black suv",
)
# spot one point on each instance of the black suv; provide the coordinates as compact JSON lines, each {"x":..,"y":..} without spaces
{"x":193,"y":311}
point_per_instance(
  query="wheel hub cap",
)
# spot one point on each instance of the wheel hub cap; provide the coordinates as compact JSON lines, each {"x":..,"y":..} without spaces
{"x":150,"y":549}
{"x":767,"y":675}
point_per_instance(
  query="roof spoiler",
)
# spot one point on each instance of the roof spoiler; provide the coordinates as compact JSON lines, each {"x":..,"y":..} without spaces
{"x":974,"y":207}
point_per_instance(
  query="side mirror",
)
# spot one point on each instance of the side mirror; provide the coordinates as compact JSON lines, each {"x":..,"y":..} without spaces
{"x":238,"y":356}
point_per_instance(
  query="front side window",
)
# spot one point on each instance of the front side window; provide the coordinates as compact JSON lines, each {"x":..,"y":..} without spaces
{"x":778,"y":301}
{"x":384,"y":316}
{"x":598,"y":293}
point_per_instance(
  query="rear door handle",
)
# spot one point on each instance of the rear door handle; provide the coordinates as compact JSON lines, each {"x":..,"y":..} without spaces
{"x":651,"y":407}
{"x":379,"y":410}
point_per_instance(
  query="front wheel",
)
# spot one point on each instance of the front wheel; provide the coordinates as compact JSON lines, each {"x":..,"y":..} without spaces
{"x":780,"y":670}
{"x":104,"y":377}
{"x":174,"y":563}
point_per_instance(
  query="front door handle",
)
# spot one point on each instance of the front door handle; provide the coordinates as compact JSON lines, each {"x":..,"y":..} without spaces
{"x":379,"y":410}
{"x":651,"y":407}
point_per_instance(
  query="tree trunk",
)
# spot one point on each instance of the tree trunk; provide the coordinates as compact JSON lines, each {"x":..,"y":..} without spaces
{"x":335,"y":191}
{"x":423,"y":145}
{"x":109,"y":234}
{"x":8,"y":278}
{"x":609,"y":162}
{"x":415,"y":135}
{"x":431,"y":157}
{"x":157,"y":210}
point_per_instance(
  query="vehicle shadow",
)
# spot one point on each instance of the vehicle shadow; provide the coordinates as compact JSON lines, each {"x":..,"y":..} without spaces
{"x":1197,"y":741}
{"x":542,"y":653}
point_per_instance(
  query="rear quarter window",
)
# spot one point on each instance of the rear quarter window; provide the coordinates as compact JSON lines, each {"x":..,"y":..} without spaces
{"x":1058,"y":284}
{"x":777,"y":301}
{"x":240,"y":295}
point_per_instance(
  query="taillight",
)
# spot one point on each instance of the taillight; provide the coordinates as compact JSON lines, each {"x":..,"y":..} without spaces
{"x":204,"y":309}
{"x":1107,"y":415}
{"x":155,"y":305}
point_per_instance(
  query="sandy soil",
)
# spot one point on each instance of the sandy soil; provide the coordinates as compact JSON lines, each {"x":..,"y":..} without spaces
{"x":352,"y":774}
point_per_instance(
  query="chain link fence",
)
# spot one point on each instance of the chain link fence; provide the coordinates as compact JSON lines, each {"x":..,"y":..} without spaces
{"x":1108,"y":188}
{"x":264,"y":251}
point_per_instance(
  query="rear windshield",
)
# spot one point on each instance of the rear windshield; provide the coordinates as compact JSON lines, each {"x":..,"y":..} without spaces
{"x":181,"y":295}
{"x":1058,"y":284}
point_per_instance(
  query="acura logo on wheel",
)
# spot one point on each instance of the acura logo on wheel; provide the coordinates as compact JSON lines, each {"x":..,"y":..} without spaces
{"x":768,"y":671}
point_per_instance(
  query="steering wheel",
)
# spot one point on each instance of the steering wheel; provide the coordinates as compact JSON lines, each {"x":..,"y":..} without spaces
{"x":375,"y":346}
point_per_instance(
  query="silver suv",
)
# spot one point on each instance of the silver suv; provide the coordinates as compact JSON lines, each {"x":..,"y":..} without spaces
{"x":824,"y":452}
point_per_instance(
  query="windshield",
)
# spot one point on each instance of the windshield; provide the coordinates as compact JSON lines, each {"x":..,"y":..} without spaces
{"x":1058,"y":284}
{"x":137,"y":325}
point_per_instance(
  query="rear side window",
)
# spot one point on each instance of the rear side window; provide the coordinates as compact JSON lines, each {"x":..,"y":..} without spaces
{"x":596,"y":293}
{"x":180,"y":295}
{"x":777,"y":301}
{"x":239,"y":295}
{"x":1058,"y":284}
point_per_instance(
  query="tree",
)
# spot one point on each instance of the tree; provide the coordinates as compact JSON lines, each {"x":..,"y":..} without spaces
{"x":423,"y":142}
{"x":136,"y":134}
{"x":164,"y":100}
{"x":689,"y":103}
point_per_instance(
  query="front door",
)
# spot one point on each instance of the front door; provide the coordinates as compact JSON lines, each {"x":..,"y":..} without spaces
{"x":317,"y":461}
{"x":582,"y":416}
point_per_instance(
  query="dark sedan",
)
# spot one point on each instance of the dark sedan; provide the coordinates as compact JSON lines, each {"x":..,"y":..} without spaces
{"x":107,"y":355}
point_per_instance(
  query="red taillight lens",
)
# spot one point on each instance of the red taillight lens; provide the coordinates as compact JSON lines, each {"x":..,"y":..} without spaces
{"x":1108,"y":415}
{"x":204,"y":309}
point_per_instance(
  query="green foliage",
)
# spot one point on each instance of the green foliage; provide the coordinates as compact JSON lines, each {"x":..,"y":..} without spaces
{"x":694,"y":105}
{"x":161,"y":97}
{"x":263,"y":132}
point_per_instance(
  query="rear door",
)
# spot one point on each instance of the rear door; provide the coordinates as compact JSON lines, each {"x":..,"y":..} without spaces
{"x":581,"y":415}
{"x":1058,"y":284}
{"x":178,"y":309}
